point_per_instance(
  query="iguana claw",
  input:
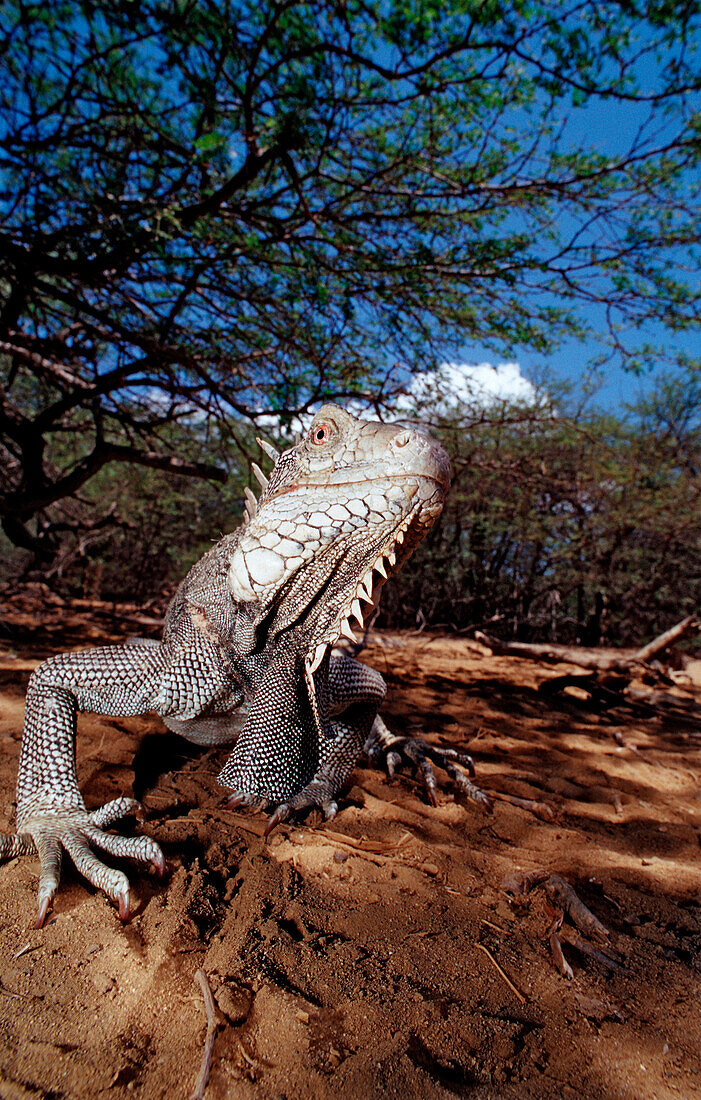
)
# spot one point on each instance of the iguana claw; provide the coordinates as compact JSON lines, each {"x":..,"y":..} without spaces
{"x":281,"y":814}
{"x":42,"y":910}
{"x":313,"y":797}
{"x":158,"y":863}
{"x":123,"y":908}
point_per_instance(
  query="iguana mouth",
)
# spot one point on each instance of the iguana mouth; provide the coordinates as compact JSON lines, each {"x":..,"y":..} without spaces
{"x":441,"y":482}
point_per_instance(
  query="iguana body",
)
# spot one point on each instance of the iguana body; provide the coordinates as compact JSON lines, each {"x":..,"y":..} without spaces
{"x":246,"y":650}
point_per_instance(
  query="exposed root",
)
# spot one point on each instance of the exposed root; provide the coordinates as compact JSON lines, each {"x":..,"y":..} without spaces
{"x":520,"y":883}
{"x":566,"y":902}
{"x":606,"y":958}
{"x":543,"y":810}
{"x":561,"y":892}
{"x":560,"y":961}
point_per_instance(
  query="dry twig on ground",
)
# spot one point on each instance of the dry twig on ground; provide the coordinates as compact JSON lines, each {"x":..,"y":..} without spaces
{"x":213,"y":1021}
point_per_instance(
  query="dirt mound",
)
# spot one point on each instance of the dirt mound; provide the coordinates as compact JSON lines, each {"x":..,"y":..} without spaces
{"x":380,"y":954}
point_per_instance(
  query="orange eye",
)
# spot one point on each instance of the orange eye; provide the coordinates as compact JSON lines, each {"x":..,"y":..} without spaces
{"x":321,"y":434}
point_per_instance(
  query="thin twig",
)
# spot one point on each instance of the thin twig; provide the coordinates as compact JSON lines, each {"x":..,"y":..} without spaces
{"x":246,"y":1056}
{"x":26,"y":948}
{"x":9,"y":993}
{"x":212,"y":1025}
{"x":497,"y":927}
{"x":366,"y":849}
{"x":507,"y":979}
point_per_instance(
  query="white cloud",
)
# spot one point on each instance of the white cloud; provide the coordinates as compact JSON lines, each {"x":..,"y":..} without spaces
{"x":445,"y":392}
{"x":474,"y":384}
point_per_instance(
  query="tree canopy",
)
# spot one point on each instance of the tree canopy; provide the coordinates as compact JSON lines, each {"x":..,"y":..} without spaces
{"x":213,"y":209}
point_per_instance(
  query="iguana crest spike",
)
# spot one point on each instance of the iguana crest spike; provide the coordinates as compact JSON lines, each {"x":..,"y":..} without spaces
{"x":268,"y":448}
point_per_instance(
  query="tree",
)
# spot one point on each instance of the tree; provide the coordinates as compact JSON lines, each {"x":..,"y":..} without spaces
{"x":217,"y":208}
{"x":578,"y":528}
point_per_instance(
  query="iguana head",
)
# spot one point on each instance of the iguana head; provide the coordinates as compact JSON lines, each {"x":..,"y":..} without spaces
{"x":343,"y":509}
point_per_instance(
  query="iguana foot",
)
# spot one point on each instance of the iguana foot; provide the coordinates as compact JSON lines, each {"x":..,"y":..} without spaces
{"x":384,"y":747}
{"x":49,"y":831}
{"x":317,"y":795}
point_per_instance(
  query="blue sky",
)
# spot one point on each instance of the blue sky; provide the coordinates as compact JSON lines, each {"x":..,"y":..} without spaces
{"x":612,"y":127}
{"x":609,"y":126}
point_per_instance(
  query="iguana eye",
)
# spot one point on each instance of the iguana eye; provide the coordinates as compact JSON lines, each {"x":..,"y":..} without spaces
{"x":321,"y":434}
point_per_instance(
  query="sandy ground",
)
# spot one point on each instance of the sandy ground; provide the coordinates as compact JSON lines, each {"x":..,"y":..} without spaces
{"x":380,"y":954}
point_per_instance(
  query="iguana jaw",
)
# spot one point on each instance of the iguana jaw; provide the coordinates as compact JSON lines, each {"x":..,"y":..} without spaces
{"x":342,"y":482}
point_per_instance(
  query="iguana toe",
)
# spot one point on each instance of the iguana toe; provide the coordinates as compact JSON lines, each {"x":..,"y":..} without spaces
{"x":115,"y":811}
{"x":315,"y":796}
{"x":18,"y":845}
{"x":50,"y":860}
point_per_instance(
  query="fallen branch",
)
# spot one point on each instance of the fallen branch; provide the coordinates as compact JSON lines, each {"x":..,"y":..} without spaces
{"x":550,"y":653}
{"x":213,"y":1021}
{"x":662,"y":641}
{"x":590,"y":658}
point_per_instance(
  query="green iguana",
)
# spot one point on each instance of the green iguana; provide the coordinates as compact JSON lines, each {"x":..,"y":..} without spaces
{"x":246,"y":655}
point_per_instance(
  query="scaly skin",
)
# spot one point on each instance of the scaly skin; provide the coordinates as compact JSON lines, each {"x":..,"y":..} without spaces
{"x":246,"y":650}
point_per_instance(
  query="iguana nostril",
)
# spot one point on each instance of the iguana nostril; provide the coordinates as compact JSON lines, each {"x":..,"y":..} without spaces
{"x":403,"y":439}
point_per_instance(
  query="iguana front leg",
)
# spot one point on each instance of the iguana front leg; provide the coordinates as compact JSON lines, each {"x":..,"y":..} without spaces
{"x":355,"y":693}
{"x":119,"y":681}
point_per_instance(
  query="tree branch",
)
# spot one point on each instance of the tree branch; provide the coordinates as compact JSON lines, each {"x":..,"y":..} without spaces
{"x":22,"y":504}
